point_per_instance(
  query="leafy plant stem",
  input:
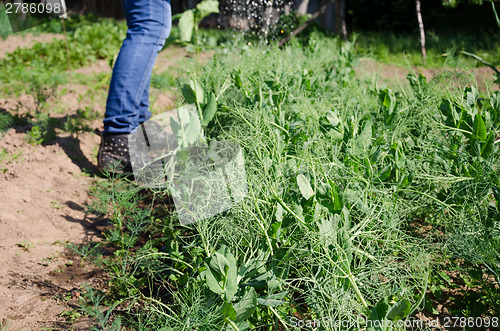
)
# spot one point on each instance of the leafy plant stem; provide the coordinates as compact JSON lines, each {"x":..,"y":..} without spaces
{"x":347,"y":274}
{"x":430,"y":197}
{"x":167,"y":256}
{"x":117,"y":214}
{"x":455,"y":129}
{"x":261,"y":224}
{"x":356,"y":289}
{"x":197,"y":43}
{"x":422,"y":297}
{"x":279,"y":318}
{"x":283,"y":204}
{"x":234,"y":326}
{"x":172,"y":313}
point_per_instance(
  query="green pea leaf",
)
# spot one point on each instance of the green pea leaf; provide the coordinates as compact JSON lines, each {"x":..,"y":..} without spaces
{"x":208,"y":7}
{"x":385,"y":173}
{"x":237,"y":78}
{"x":228,"y":311}
{"x":193,"y":129}
{"x":188,"y":94}
{"x":198,"y":90}
{"x":210,"y":109}
{"x":273,"y":300}
{"x":246,"y":306}
{"x":186,"y":25}
{"x":220,"y":263}
{"x":176,"y":126}
{"x":487,"y":147}
{"x":212,"y":282}
{"x":399,"y":311}
{"x":479,"y":127}
{"x":305,"y":186}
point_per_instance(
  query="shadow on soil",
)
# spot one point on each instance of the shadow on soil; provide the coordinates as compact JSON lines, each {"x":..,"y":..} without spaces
{"x":47,"y":131}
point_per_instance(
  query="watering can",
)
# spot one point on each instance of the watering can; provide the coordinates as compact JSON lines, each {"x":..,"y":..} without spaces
{"x":204,"y":178}
{"x":64,"y":13}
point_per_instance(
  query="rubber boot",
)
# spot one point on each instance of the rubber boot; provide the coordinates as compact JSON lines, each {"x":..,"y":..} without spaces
{"x":114,"y":153}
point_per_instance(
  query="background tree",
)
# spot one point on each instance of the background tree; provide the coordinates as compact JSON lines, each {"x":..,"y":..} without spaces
{"x":421,"y":29}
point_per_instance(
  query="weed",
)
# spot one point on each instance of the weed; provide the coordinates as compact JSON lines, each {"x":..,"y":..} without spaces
{"x":390,"y":47}
{"x":88,"y":251}
{"x":163,"y":81}
{"x":50,"y":259}
{"x":56,"y":205}
{"x":91,"y":305}
{"x":6,"y":158}
{"x":5,"y":121}
{"x":70,"y":315}
{"x":40,"y":90}
{"x":43,"y":65}
{"x":78,"y":123}
{"x":43,"y":130}
{"x":26,"y":245}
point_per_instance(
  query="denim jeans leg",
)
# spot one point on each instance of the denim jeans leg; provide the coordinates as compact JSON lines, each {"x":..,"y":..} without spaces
{"x":149,"y":23}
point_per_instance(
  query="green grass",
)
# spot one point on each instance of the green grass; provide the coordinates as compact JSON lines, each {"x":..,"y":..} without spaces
{"x":5,"y":121}
{"x":401,"y":49}
{"x":44,"y":65}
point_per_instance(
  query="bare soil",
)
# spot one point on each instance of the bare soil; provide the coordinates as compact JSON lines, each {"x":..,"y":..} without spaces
{"x":43,"y":196}
{"x":42,"y":200}
{"x":394,"y":76}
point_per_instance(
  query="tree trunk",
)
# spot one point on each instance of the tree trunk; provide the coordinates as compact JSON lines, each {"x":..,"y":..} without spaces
{"x":343,"y":20}
{"x":340,"y":27}
{"x":422,"y":31}
{"x":302,"y":6}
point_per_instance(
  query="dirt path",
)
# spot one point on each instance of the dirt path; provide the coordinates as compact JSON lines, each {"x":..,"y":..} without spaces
{"x":394,"y":76}
{"x":42,"y":197}
{"x":43,"y":194}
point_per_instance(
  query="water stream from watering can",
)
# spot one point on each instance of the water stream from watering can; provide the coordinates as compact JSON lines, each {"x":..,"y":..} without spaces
{"x":255,"y":17}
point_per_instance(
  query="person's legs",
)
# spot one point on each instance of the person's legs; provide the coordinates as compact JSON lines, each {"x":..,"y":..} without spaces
{"x":149,"y":23}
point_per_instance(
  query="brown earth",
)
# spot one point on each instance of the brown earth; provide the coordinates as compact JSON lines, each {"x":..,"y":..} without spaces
{"x":43,"y":195}
{"x":394,"y":76}
{"x":42,"y":199}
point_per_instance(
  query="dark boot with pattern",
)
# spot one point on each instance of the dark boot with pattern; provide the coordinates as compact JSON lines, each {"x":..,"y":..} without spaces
{"x":114,"y":154}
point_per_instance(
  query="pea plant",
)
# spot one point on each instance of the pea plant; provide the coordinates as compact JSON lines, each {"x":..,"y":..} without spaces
{"x":338,"y":170}
{"x":189,"y":21}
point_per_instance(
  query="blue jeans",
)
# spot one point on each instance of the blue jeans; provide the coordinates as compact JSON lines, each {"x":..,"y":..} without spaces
{"x":149,"y":23}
